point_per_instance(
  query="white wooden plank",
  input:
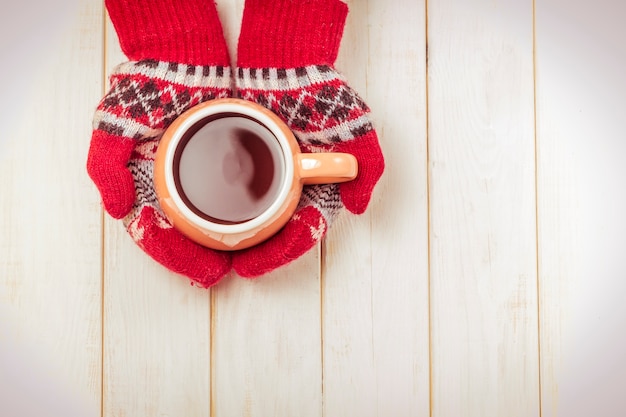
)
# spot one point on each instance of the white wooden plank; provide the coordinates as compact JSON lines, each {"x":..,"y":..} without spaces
{"x":348,"y":363}
{"x":156,"y":326}
{"x":375,"y":300}
{"x":50,"y":222}
{"x":482,"y":213}
{"x":376,"y":276}
{"x":396,"y":85}
{"x":581,"y":102}
{"x":266,"y":332}
{"x":267,"y":349}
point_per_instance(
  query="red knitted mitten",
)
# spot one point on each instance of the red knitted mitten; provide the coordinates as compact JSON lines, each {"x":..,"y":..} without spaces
{"x":178,"y":58}
{"x":285,"y":62}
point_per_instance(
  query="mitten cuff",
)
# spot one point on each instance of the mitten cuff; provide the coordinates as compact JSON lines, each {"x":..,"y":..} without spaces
{"x":290,"y":33}
{"x":168,"y":30}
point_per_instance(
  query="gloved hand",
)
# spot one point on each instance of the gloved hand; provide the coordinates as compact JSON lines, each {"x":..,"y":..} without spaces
{"x":285,"y":62}
{"x":178,"y":58}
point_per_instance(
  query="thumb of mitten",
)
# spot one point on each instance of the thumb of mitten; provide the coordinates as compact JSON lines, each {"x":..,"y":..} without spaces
{"x":356,"y":194}
{"x":106,"y":165}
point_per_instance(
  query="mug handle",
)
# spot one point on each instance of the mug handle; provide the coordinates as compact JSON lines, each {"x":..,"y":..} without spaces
{"x":326,"y":167}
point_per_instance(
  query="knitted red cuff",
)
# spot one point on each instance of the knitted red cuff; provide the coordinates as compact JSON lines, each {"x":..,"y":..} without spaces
{"x":187,"y":31}
{"x":290,"y":33}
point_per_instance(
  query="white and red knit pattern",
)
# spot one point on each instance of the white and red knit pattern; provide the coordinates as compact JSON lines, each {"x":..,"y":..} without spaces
{"x":314,"y":101}
{"x":146,"y":96}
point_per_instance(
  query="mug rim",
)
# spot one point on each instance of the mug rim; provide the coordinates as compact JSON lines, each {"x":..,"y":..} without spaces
{"x":255,"y":112}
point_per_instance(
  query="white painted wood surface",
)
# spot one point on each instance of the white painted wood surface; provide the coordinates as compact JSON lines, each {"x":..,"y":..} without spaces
{"x":486,"y":278}
{"x":581,"y":103}
{"x":50,"y":216}
{"x":375,"y":282}
{"x":482,"y":209}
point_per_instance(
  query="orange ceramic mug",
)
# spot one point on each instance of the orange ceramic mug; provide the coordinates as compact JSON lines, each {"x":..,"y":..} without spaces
{"x":229,"y":173}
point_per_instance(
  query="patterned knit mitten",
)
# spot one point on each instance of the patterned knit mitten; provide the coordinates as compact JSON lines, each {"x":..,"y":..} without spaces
{"x":285,"y":62}
{"x":178,"y":58}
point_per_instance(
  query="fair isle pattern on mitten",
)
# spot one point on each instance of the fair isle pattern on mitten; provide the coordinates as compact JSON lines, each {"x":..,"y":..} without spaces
{"x":323,"y":205}
{"x":314,"y":101}
{"x":141,"y":165}
{"x":146,"y":96}
{"x":324,"y":198}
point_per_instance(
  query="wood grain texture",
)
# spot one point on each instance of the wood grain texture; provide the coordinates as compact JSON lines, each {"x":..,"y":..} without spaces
{"x":581,"y":101}
{"x":156,"y":326}
{"x":482,"y":212}
{"x":266,"y":332}
{"x":348,"y":343}
{"x":376,"y":359}
{"x":267,"y":350}
{"x":50,"y":222}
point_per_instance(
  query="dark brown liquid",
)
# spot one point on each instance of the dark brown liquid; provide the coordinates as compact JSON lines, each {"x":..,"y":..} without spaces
{"x":228,"y":169}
